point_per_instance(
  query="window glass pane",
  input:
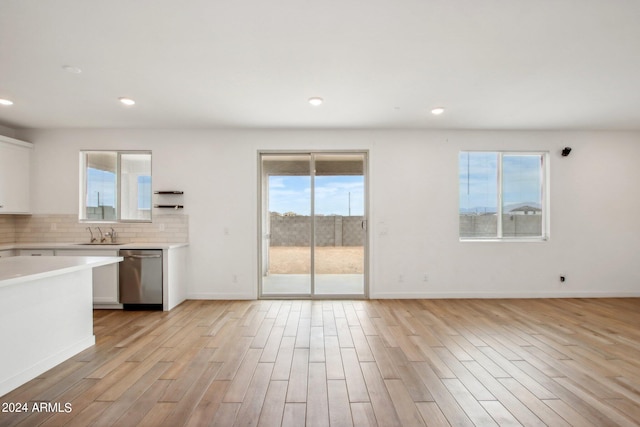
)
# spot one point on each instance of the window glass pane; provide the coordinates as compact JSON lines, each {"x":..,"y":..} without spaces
{"x":115,"y":186}
{"x":521,"y":195}
{"x":144,"y":192}
{"x":478,"y":205}
{"x":101,"y":186}
{"x":135,"y":186}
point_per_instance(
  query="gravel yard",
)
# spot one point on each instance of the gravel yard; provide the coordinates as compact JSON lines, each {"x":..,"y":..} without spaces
{"x":329,"y":260}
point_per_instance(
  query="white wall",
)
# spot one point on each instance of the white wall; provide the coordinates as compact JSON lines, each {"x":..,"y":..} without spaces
{"x":595,"y":224}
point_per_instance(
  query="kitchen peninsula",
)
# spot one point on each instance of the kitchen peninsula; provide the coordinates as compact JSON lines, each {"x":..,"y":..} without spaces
{"x":46,"y":313}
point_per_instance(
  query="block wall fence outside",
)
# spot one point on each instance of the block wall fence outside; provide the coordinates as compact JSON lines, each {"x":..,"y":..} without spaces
{"x":335,"y":230}
{"x":63,"y":228}
{"x":512,"y":225}
{"x":339,"y":230}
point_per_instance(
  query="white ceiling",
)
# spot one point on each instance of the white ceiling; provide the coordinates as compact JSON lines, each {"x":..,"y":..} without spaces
{"x":493,"y":64}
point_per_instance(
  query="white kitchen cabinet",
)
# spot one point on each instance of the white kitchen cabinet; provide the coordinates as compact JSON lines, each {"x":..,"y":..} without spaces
{"x":105,"y":278}
{"x":7,"y":253}
{"x":15,"y":176}
{"x":36,"y":252}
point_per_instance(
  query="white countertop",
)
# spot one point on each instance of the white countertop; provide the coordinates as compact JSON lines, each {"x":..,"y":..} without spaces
{"x":41,"y":245}
{"x":21,"y":269}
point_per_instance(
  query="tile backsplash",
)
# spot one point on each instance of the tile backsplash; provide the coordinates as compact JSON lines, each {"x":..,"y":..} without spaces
{"x":66,"y":228}
{"x":7,"y":229}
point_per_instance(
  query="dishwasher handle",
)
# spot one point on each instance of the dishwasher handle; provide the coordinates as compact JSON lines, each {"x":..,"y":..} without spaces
{"x":142,"y":256}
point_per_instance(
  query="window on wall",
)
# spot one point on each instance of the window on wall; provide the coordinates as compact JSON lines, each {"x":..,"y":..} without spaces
{"x":115,"y":186}
{"x":502,"y":195}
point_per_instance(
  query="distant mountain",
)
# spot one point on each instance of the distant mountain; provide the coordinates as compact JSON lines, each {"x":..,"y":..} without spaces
{"x":479,"y":210}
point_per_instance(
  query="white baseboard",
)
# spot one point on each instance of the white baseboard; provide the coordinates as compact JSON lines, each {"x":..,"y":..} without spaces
{"x":107,"y":306}
{"x":446,"y":295}
{"x":499,"y":295}
{"x":223,"y":296}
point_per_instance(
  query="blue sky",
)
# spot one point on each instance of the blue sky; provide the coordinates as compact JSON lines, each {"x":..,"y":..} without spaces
{"x":102,"y":182}
{"x":478,"y":180}
{"x":293,"y":194}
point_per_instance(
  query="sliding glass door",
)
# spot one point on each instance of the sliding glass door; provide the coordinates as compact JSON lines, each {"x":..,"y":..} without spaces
{"x":339,"y":221}
{"x":313,"y":225}
{"x":286,"y":227}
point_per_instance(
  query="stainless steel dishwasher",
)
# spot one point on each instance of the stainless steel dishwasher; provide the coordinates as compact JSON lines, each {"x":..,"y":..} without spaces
{"x":140,"y":279}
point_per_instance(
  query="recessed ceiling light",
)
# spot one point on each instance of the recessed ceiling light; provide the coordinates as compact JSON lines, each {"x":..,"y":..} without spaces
{"x":437,"y":111}
{"x":315,"y":101}
{"x":127,"y":101}
{"x":6,"y":102}
{"x":71,"y":69}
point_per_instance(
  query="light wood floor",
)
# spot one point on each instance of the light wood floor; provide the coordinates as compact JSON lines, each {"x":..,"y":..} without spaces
{"x":341,"y":363}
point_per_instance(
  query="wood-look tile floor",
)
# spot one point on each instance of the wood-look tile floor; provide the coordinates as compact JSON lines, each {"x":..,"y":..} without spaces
{"x":342,"y":363}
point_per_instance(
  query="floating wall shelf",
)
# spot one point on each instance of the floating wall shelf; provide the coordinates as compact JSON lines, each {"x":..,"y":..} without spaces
{"x":169,"y":193}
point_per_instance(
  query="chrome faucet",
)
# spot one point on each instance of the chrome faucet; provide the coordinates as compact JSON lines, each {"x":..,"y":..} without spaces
{"x":112,"y":235}
{"x":93,"y":239}
{"x":102,"y":238}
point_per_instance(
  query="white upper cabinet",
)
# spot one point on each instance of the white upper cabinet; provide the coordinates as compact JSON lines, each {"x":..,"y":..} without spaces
{"x":15,"y":176}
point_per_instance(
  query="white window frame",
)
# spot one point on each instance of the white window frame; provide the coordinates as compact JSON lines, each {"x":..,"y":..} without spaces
{"x":82,"y":208}
{"x":544,"y":199}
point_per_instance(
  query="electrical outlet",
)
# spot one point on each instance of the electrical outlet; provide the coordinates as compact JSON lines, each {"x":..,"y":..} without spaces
{"x":425,"y":277}
{"x":401,"y":278}
{"x":235,"y":278}
{"x":563,"y":279}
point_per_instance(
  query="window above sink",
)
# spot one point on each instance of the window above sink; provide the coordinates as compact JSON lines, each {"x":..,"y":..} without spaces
{"x":115,"y":186}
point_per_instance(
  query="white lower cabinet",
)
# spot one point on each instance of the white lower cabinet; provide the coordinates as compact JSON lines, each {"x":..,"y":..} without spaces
{"x":7,"y":253}
{"x":105,"y":279}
